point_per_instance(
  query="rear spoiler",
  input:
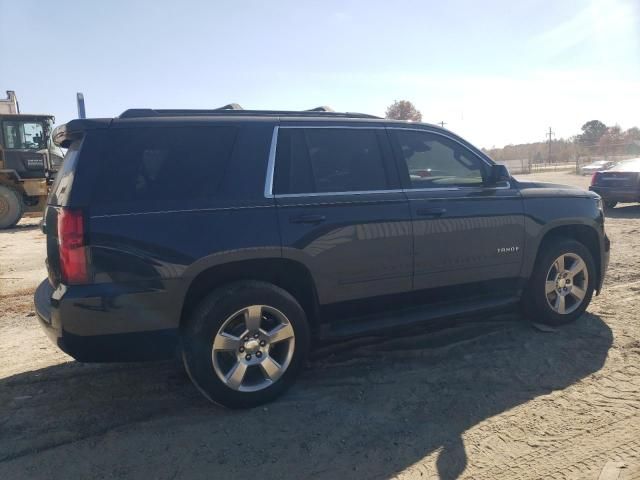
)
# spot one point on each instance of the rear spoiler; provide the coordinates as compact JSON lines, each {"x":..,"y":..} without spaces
{"x":65,"y":134}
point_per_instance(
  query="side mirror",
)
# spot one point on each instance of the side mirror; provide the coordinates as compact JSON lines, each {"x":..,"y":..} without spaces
{"x":498,"y":176}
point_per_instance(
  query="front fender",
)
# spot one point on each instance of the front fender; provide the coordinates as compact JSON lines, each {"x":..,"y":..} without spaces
{"x":569,"y":216}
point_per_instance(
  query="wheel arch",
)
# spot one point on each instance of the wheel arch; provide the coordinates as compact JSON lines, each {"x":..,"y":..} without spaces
{"x":585,"y":234}
{"x":287,"y":274}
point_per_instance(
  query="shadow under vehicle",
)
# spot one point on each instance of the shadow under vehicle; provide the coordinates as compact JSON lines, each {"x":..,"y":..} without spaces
{"x":368,"y":408}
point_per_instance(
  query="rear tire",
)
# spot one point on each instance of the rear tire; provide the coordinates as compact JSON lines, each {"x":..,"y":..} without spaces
{"x":11,"y":207}
{"x":245,"y":344}
{"x":562,"y":283}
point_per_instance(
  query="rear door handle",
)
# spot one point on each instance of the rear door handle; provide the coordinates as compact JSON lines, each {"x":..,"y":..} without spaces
{"x":431,"y":212}
{"x":313,"y":219}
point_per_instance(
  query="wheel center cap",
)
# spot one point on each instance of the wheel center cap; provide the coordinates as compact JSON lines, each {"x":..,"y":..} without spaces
{"x":252,"y":346}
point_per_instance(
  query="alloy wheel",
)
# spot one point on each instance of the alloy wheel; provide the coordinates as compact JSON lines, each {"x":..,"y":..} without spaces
{"x":567,"y":283}
{"x":253,"y":348}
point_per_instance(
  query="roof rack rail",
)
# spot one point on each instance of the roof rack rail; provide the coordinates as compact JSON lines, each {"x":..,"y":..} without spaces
{"x":322,"y":108}
{"x":231,"y":106}
{"x":149,"y":112}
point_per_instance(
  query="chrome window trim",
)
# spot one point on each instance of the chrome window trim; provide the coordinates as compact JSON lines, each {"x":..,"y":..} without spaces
{"x":268,"y":188}
{"x":268,"y":185}
{"x":332,"y":194}
{"x":343,"y":127}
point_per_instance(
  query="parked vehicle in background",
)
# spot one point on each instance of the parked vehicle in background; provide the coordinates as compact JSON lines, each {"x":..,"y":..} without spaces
{"x":235,"y":237}
{"x":596,"y":166}
{"x":28,"y":161}
{"x":619,"y":184}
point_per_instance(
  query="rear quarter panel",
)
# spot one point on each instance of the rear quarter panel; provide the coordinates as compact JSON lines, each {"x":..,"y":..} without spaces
{"x":145,"y":260}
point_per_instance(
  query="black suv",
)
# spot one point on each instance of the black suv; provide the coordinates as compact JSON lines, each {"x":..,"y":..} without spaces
{"x":237,"y":237}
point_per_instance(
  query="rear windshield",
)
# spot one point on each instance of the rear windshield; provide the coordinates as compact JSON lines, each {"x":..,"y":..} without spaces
{"x":153,"y":166}
{"x":632,"y":165}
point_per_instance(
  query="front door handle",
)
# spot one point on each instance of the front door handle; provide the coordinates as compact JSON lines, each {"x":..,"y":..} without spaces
{"x":431,"y":212}
{"x":313,"y":219}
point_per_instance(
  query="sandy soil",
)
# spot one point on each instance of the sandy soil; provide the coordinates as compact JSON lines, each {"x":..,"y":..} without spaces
{"x":486,"y":398}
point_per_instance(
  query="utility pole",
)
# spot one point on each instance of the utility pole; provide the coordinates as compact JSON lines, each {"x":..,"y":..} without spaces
{"x":442,"y":123}
{"x":549,"y":134}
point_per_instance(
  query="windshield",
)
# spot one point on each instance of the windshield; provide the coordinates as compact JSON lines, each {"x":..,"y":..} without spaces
{"x":23,"y":135}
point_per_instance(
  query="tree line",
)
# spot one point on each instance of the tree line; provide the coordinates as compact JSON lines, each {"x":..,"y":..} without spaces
{"x":595,"y":139}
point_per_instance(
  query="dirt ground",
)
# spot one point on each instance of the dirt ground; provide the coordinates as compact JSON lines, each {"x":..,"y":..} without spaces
{"x":486,"y":398}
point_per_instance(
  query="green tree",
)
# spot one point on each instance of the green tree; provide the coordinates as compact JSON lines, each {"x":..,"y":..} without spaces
{"x":592,"y":132}
{"x":403,"y":110}
{"x":632,"y":134}
{"x":612,"y":142}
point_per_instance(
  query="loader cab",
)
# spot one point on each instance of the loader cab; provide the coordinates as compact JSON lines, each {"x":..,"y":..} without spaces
{"x":26,"y":146}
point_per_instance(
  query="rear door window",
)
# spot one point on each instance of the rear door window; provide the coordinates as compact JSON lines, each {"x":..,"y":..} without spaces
{"x":329,"y":160}
{"x":156,"y":166}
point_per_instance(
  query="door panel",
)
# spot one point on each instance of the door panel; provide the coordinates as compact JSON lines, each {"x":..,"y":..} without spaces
{"x":464,"y":232}
{"x":355,"y":246}
{"x":478,"y":236}
{"x":341,"y":210}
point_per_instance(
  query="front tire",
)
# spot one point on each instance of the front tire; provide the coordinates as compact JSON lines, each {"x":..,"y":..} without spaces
{"x":562,"y":283}
{"x":245,"y":343}
{"x":11,"y":207}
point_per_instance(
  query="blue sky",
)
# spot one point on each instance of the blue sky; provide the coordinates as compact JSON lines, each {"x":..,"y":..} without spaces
{"x":497,"y":72}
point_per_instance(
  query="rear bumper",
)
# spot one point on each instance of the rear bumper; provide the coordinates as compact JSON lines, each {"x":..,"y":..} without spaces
{"x":616,"y":194}
{"x":61,"y":310}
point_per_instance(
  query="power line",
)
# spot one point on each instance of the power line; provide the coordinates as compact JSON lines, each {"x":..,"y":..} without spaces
{"x":442,"y":123}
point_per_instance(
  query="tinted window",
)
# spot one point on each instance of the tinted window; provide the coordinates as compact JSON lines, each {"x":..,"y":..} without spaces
{"x":434,"y":161}
{"x":314,"y":160}
{"x":151,"y":164}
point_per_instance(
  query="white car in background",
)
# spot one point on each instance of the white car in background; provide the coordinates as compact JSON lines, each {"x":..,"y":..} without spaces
{"x":596,"y":166}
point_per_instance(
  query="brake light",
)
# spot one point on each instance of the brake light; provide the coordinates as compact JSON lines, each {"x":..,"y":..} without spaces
{"x":73,"y":256}
{"x":594,"y":178}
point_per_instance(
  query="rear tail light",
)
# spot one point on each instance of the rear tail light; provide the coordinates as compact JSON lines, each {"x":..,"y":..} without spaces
{"x":594,"y":178}
{"x":71,"y":244}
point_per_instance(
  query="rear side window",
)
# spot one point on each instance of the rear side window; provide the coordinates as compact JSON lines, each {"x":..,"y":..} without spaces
{"x":324,"y":160}
{"x":164,"y":164}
